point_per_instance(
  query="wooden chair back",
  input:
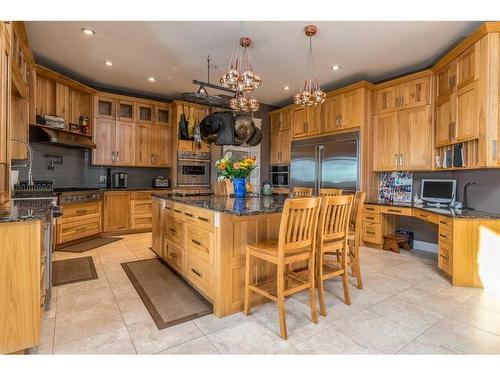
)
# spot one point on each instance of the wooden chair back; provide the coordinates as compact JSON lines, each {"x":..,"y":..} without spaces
{"x":334,"y":218}
{"x":357,"y":211}
{"x":298,"y":225}
{"x":302,"y":192}
{"x":329,"y":192}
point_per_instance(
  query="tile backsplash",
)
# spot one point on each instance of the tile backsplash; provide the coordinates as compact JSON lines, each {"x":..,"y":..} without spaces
{"x":77,"y":171}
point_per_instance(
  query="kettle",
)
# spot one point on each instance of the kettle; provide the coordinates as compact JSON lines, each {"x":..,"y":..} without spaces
{"x":267,"y":188}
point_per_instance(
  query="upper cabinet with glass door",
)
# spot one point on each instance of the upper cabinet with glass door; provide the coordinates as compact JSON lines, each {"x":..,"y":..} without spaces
{"x":162,"y":114}
{"x":144,"y":112}
{"x":126,"y":110}
{"x":105,"y":107}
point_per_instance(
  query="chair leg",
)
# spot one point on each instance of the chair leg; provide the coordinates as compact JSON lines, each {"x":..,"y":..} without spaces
{"x":357,"y":266}
{"x":247,"y":285}
{"x":321,"y":291}
{"x":281,"y":301}
{"x":312,"y":291}
{"x":345,"y":279}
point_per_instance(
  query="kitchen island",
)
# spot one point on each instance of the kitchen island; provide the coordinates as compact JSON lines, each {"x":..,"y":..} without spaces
{"x":204,"y":240}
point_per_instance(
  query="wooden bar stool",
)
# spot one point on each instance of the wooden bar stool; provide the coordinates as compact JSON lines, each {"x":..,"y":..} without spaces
{"x":356,"y":222}
{"x":329,"y":192}
{"x":333,"y":232}
{"x":296,"y":242}
{"x":299,"y":192}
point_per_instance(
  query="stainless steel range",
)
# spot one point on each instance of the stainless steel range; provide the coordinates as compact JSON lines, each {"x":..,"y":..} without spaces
{"x":73,"y":195}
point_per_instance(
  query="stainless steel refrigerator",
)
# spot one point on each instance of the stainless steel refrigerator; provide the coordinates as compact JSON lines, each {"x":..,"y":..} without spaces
{"x":326,"y":162}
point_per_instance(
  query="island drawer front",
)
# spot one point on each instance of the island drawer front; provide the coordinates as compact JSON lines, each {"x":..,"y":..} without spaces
{"x":199,"y":242}
{"x":372,"y":233}
{"x":199,"y":273}
{"x":371,"y":218}
{"x":174,"y":230}
{"x":446,"y":222}
{"x":178,"y":210}
{"x":174,"y":255}
{"x":445,"y":236}
{"x":403,"y":211}
{"x":427,"y":216}
{"x":445,"y":257}
{"x":201,"y":218}
{"x":371,"y":209}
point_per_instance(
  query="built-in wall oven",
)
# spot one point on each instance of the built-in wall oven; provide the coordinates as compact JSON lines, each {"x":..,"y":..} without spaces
{"x":280,"y":175}
{"x":193,"y":169}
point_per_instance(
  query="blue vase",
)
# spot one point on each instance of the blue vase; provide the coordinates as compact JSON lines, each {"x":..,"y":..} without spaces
{"x":240,"y":187}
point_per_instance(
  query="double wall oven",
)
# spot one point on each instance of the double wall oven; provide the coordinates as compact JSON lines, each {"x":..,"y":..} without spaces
{"x":280,"y":176}
{"x":193,"y":169}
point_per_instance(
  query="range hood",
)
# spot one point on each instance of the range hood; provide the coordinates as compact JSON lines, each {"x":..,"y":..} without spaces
{"x":43,"y":134}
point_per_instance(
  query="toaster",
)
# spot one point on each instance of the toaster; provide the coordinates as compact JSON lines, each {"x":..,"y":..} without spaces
{"x":161,"y":182}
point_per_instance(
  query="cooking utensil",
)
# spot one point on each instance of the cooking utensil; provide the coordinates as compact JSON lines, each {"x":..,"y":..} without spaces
{"x":226,"y":131}
{"x":244,"y":127}
{"x":256,"y":138}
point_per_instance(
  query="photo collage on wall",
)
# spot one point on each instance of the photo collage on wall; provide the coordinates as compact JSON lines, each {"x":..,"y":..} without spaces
{"x":396,"y":187}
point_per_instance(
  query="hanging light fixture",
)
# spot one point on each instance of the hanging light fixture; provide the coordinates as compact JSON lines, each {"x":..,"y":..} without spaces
{"x":310,"y":94}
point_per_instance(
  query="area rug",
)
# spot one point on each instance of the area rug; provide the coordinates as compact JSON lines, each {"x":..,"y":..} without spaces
{"x":169,"y":299}
{"x":74,"y":270}
{"x":89,"y":244}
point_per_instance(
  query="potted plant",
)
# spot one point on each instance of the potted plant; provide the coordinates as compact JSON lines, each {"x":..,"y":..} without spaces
{"x":237,"y":171}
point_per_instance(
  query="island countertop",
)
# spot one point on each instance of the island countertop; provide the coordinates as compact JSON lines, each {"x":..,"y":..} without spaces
{"x":254,"y":205}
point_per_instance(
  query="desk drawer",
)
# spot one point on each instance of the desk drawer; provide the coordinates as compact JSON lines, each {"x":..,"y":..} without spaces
{"x":445,"y":236}
{"x":445,"y":257}
{"x":371,"y":218}
{"x":200,"y":274}
{"x":371,"y":209}
{"x":427,"y":216}
{"x":372,"y":233}
{"x":199,"y":242}
{"x":446,"y":222}
{"x":402,"y":211}
{"x":174,"y":230}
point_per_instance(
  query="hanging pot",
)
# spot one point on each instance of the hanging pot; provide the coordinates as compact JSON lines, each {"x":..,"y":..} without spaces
{"x":226,"y":131}
{"x":244,"y":127}
{"x":256,"y":138}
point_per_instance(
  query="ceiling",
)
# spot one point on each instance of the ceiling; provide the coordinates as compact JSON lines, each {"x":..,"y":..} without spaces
{"x":175,"y":52}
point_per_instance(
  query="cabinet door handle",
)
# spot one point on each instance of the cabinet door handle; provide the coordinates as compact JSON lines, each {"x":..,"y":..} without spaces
{"x":396,"y":101}
{"x":401,"y":159}
{"x":452,"y":130}
{"x":203,"y":219}
{"x":81,"y":212}
{"x":341,"y":120}
{"x":196,"y":242}
{"x":188,"y":214}
{"x":117,"y":156}
{"x":396,"y":160}
{"x":172,"y":230}
{"x":197,"y":273}
{"x":392,"y":210}
{"x":173,"y":255}
{"x":113,"y":156}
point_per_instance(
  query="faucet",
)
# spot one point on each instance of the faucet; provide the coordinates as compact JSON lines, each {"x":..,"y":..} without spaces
{"x":31,"y":182}
{"x":465,"y":195}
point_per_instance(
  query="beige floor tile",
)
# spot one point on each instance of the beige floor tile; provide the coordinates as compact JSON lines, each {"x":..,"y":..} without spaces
{"x":194,"y":347}
{"x":376,"y":332}
{"x":331,"y":341}
{"x":85,"y":303}
{"x":486,"y":300}
{"x":124,"y":291}
{"x":46,"y":338}
{"x":422,"y":348}
{"x":133,"y":310}
{"x":210,"y":323}
{"x":248,"y":338}
{"x":478,"y":317}
{"x":384,"y":284}
{"x":410,"y":315}
{"x":111,"y":342}
{"x":149,"y":339}
{"x":122,"y":256}
{"x":76,"y":326}
{"x":83,"y":287}
{"x":462,"y":338}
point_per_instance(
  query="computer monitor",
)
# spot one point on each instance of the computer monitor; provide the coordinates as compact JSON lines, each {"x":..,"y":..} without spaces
{"x":438,"y":191}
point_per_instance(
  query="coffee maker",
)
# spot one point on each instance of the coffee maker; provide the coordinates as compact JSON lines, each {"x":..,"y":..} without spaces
{"x":120,"y":180}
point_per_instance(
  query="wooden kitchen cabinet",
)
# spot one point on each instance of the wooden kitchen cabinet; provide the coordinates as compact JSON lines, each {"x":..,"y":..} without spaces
{"x":307,"y":121}
{"x":280,"y":147}
{"x":79,"y":220}
{"x":343,"y":111}
{"x":386,"y":99}
{"x":5,"y":113}
{"x":385,"y":141}
{"x":157,"y":225}
{"x":126,"y":110}
{"x":274,"y":148}
{"x":162,"y":113}
{"x":333,"y":112}
{"x":162,"y":146}
{"x":105,"y":107}
{"x":281,"y":120}
{"x":144,"y":113}
{"x":444,"y":120}
{"x":125,"y":143}
{"x":415,"y":133}
{"x":405,"y":94}
{"x":144,"y":144}
{"x":116,"y":208}
{"x":467,"y":117}
{"x":104,"y":138}
{"x":299,"y":118}
{"x":445,"y":80}
{"x":141,"y":209}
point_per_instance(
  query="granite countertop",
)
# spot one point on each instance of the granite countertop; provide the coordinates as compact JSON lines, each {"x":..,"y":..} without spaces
{"x":445,"y":211}
{"x":255,"y":205}
{"x":26,"y":211}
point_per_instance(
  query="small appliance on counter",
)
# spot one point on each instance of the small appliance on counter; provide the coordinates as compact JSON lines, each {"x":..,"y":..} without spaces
{"x":120,"y":180}
{"x":161,"y":182}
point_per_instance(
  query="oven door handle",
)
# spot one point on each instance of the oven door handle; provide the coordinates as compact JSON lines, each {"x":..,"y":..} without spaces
{"x":196,"y":160}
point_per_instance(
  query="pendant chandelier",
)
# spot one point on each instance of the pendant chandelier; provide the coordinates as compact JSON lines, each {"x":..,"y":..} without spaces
{"x":310,"y":94}
{"x":241,"y":77}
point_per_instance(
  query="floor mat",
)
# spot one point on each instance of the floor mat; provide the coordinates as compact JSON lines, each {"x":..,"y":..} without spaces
{"x":89,"y":244}
{"x":74,"y":270}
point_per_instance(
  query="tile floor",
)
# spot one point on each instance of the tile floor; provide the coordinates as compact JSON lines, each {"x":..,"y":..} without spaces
{"x":406,"y":307}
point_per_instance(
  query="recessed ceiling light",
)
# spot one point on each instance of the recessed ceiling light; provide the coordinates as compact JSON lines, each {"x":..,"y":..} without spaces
{"x":151,"y":79}
{"x":109,"y":63}
{"x":286,"y":87}
{"x":336,"y":67}
{"x":88,"y":31}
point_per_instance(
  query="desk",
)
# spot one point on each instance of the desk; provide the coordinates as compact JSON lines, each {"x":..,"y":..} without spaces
{"x":465,"y":237}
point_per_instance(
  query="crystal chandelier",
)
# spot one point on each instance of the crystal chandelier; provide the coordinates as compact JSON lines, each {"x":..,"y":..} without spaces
{"x":310,"y":94}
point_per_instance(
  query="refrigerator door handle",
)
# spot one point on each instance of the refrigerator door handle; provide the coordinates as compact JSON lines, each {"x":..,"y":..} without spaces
{"x":319,"y":161}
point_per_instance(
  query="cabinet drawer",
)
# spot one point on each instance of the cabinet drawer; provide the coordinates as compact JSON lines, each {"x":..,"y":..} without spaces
{"x":141,"y":221}
{"x":403,"y":211}
{"x":201,"y":218}
{"x":141,"y":195}
{"x":199,"y":242}
{"x":174,"y":230}
{"x":371,"y":218}
{"x":178,"y":210}
{"x":141,"y":206}
{"x":199,"y":273}
{"x":82,"y":209}
{"x":174,"y":255}
{"x":73,"y":232}
{"x":445,"y":235}
{"x":446,"y":222}
{"x":372,"y":233}
{"x":445,"y":257}
{"x":368,"y":209}
{"x":427,"y":216}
